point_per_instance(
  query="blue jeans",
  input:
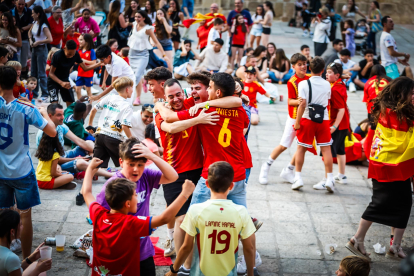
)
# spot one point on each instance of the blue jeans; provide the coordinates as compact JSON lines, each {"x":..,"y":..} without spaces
{"x":39,"y":57}
{"x":353,"y":77}
{"x":371,"y":43}
{"x":24,"y":189}
{"x":71,"y":165}
{"x":237,"y":194}
{"x":285,"y":77}
{"x":248,"y":174}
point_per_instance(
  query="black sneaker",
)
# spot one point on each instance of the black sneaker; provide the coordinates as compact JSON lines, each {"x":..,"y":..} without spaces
{"x":79,"y":200}
{"x":183,"y":272}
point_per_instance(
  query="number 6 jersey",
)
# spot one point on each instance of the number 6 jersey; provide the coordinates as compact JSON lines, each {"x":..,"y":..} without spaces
{"x":217,"y":225}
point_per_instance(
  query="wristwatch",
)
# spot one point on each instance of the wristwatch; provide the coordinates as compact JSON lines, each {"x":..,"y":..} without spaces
{"x":172,"y":269}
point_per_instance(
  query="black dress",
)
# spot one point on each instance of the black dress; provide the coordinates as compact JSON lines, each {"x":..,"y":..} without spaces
{"x":175,"y":18}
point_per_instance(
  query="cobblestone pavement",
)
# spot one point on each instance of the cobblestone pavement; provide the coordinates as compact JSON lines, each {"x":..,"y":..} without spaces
{"x":297,"y":224}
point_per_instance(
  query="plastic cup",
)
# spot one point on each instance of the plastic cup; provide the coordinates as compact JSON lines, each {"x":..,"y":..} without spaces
{"x":60,"y":242}
{"x":45,"y":252}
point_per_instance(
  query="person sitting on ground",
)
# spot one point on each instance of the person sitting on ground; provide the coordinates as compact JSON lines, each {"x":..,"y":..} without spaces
{"x":234,"y":222}
{"x":249,"y":52}
{"x":215,"y":32}
{"x":182,"y":57}
{"x":279,"y":70}
{"x":213,"y":58}
{"x":353,"y":266}
{"x":11,"y":229}
{"x":146,"y":180}
{"x":75,"y":116}
{"x":122,"y":198}
{"x":251,"y":88}
{"x":305,"y":50}
{"x":261,"y":61}
{"x":364,"y":68}
{"x":251,"y":61}
{"x":140,"y":120}
{"x":333,"y":53}
{"x":350,"y":67}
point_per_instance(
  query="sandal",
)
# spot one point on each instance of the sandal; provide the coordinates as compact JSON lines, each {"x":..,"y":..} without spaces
{"x":355,"y":248}
{"x":396,"y":254}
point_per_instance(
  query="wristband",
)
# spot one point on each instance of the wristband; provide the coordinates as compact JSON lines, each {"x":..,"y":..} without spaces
{"x":207,"y":106}
{"x":29,"y":262}
{"x":172,"y":269}
{"x":335,"y":127}
{"x":185,"y":198}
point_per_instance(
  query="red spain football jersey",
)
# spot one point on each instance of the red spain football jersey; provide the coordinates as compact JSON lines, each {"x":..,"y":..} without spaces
{"x":223,"y":141}
{"x":87,"y":55}
{"x":182,"y":150}
{"x":250,"y":90}
{"x":292,"y":86}
{"x":371,"y":89}
{"x":338,"y":100}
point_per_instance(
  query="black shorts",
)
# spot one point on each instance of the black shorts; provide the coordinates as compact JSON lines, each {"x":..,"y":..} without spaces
{"x":266,"y":31}
{"x":147,"y":267}
{"x":173,"y":190}
{"x":237,"y":46}
{"x":107,"y":147}
{"x":175,"y":35}
{"x":55,"y":89}
{"x":338,"y":144}
{"x":306,"y":25}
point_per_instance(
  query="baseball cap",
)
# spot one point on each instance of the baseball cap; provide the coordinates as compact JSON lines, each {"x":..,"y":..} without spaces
{"x":219,"y":41}
{"x":251,"y":69}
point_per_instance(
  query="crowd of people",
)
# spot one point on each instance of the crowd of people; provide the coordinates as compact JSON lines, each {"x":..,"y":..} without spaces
{"x":192,"y":142}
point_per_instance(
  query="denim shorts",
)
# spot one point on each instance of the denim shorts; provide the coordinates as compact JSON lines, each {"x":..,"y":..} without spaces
{"x":75,"y":152}
{"x":70,"y":166}
{"x":165,"y":48}
{"x":237,"y":194}
{"x":24,"y":189}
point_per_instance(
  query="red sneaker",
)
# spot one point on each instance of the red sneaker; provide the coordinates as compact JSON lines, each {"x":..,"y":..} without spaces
{"x":80,"y":175}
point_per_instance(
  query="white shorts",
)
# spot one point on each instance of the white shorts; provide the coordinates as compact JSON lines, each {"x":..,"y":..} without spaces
{"x":289,"y":133}
{"x":182,"y":69}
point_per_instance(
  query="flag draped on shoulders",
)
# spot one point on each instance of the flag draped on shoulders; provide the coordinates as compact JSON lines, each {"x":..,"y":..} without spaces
{"x":198,"y":18}
{"x":392,"y":151}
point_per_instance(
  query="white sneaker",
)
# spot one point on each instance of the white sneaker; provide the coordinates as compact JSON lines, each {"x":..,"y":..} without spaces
{"x":305,"y":33}
{"x":169,"y":248}
{"x":343,"y":180}
{"x":320,"y":185}
{"x":16,"y":246}
{"x":330,"y":185}
{"x":288,"y":175}
{"x":241,"y":265}
{"x":352,"y":87}
{"x":264,"y":170}
{"x":297,"y":184}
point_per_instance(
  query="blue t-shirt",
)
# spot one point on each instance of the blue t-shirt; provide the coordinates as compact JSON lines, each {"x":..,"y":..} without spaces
{"x":179,"y":60}
{"x":9,"y":261}
{"x":189,"y":4}
{"x":61,"y":132}
{"x":15,"y":118}
{"x":246,"y":15}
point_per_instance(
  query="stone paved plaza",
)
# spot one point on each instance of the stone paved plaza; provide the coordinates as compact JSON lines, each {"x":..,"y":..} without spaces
{"x":297,"y":224}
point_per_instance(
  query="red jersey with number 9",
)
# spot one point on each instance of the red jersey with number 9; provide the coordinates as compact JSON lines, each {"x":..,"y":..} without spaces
{"x":222,"y":142}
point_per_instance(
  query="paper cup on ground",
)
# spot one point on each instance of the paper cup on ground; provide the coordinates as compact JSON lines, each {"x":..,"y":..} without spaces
{"x":60,"y":242}
{"x":45,"y":252}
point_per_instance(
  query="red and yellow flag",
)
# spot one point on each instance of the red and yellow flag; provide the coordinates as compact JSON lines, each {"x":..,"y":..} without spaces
{"x":392,"y":151}
{"x":198,"y":18}
{"x":353,"y":148}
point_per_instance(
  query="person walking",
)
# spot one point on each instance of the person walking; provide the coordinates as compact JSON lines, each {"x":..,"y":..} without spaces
{"x":39,"y":37}
{"x":322,"y":31}
{"x":56,"y":27}
{"x":390,"y":159}
{"x":375,"y":23}
{"x":139,"y":45}
{"x":349,"y":11}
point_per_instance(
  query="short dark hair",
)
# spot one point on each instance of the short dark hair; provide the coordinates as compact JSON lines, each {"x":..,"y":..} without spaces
{"x":125,"y":150}
{"x":202,"y":77}
{"x":297,"y":57}
{"x":79,"y":109}
{"x":303,"y":47}
{"x":355,"y":266}
{"x":3,"y":51}
{"x":71,"y":45}
{"x":9,"y":219}
{"x":103,"y":51}
{"x":171,"y":82}
{"x":158,"y":74}
{"x":219,"y":41}
{"x":350,"y":23}
{"x":8,"y":76}
{"x":345,"y":52}
{"x":86,"y":10}
{"x":224,"y":82}
{"x":51,"y":108}
{"x":336,"y":68}
{"x":369,"y":51}
{"x":125,"y":51}
{"x":118,"y":191}
{"x":317,"y":65}
{"x":336,"y":41}
{"x":218,"y":21}
{"x":150,"y":132}
{"x":220,"y":176}
{"x":384,"y":20}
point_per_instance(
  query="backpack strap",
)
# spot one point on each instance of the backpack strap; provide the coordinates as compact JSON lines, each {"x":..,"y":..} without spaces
{"x":310,"y":91}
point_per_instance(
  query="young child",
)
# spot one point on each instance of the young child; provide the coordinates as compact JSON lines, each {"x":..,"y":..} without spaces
{"x":18,"y":89}
{"x":362,"y":28}
{"x":339,"y":120}
{"x":349,"y":67}
{"x":215,"y":32}
{"x":150,"y":141}
{"x":74,"y":118}
{"x":87,"y":54}
{"x":298,"y":62}
{"x":350,"y":36}
{"x":305,"y":50}
{"x":134,"y":169}
{"x":307,"y":18}
{"x":124,"y":53}
{"x":114,"y":121}
{"x":48,"y":173}
{"x":31,"y":84}
{"x":217,"y":225}
{"x":307,"y":129}
{"x":49,"y":59}
{"x":251,"y":88}
{"x":115,"y":232}
{"x":239,"y":37}
{"x":353,"y":266}
{"x":249,"y":52}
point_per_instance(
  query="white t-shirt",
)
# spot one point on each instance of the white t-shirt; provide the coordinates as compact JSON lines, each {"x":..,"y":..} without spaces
{"x":116,"y":112}
{"x":321,"y":93}
{"x":139,"y":41}
{"x":119,"y":68}
{"x":347,"y":65}
{"x":138,"y":126}
{"x":243,"y":61}
{"x":256,"y":18}
{"x":42,"y":35}
{"x":212,"y":35}
{"x":386,"y":41}
{"x":349,"y":15}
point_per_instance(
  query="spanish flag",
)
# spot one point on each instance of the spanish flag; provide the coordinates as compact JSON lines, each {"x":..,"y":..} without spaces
{"x":198,"y":18}
{"x":392,"y":151}
{"x":353,"y":148}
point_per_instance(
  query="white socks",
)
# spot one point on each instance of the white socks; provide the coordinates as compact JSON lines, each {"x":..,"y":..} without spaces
{"x":298,"y":175}
{"x":329,"y":176}
{"x":290,"y":167}
{"x":340,"y":175}
{"x":270,"y":161}
{"x":170,"y":233}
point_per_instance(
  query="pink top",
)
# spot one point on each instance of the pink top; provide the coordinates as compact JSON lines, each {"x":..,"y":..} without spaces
{"x":153,"y":148}
{"x":83,"y":27}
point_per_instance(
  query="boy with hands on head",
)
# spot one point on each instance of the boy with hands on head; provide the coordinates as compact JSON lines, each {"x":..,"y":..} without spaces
{"x":115,"y":232}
